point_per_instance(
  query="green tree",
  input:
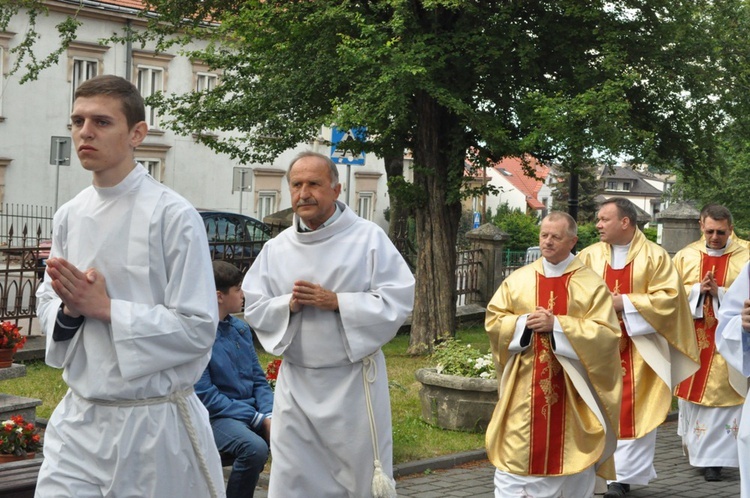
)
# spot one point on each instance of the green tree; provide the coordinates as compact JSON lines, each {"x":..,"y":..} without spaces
{"x":522,"y":228}
{"x":588,"y":188}
{"x":587,"y":235}
{"x":561,"y":80}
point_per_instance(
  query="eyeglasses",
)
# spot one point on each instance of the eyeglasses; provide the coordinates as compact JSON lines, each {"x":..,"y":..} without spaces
{"x":720,"y":233}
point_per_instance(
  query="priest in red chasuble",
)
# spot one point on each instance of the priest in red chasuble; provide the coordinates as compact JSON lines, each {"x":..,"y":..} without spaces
{"x":711,"y":399}
{"x":658,"y":349}
{"x":554,"y":334}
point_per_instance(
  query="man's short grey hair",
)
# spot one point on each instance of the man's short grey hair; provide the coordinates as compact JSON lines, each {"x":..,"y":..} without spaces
{"x":625,"y":209}
{"x":333,"y":171}
{"x":572,"y":230}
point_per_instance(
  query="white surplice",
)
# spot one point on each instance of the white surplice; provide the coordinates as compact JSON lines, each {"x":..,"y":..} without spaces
{"x":150,"y":246}
{"x":320,"y":436}
{"x":734,"y":345}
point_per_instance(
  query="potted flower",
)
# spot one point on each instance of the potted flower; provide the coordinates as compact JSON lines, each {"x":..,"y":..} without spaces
{"x":19,"y":439}
{"x":272,"y":372}
{"x":460,"y":391}
{"x":11,"y":341}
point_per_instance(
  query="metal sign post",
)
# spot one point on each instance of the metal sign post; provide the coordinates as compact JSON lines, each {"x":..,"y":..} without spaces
{"x":59,"y":155}
{"x":241,"y":182}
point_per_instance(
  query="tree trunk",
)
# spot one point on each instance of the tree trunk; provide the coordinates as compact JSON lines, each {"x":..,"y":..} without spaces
{"x":398,"y":227}
{"x":438,"y":171}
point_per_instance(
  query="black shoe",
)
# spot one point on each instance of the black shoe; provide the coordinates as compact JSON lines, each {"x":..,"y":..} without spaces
{"x":616,"y":490}
{"x":713,"y":474}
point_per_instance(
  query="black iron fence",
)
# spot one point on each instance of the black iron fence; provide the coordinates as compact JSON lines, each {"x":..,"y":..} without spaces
{"x":25,"y":232}
{"x":24,"y":246}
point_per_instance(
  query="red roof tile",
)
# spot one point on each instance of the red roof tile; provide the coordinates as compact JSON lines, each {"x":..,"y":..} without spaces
{"x":527,"y":185}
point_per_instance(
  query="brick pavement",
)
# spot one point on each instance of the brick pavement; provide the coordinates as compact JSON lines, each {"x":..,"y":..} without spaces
{"x":675,"y":477}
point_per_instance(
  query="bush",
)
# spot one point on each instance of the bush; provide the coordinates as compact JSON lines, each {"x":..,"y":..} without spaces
{"x":453,"y":358}
{"x":522,"y":228}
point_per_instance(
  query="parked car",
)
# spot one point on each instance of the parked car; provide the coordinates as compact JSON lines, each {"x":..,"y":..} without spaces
{"x":532,"y":254}
{"x":235,"y":237}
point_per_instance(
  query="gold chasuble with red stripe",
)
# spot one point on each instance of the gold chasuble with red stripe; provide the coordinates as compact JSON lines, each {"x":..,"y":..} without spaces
{"x":621,"y":282}
{"x":654,"y":288}
{"x":548,"y":385}
{"x":543,"y":425}
{"x":710,"y":385}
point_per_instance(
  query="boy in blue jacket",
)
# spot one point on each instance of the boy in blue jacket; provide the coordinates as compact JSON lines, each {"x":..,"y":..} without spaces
{"x":234,"y":389}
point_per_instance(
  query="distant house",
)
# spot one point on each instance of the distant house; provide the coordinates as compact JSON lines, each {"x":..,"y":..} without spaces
{"x":641,"y":188}
{"x":516,"y":189}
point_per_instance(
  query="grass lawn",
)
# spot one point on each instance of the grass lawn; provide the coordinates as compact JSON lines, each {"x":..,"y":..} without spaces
{"x":413,"y":439}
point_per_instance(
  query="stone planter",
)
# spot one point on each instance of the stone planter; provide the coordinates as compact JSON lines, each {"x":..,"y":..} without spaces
{"x":456,"y":403}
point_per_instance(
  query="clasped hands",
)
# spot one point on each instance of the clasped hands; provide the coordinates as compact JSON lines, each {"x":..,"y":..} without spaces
{"x":709,"y":285}
{"x":540,"y":320}
{"x":309,"y":294}
{"x":745,"y":314}
{"x":83,"y":293}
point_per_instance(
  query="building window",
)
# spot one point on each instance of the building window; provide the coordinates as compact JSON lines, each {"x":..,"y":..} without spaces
{"x":151,"y":75}
{"x":366,"y":191}
{"x":4,"y":65}
{"x":364,"y":205}
{"x":611,"y":185}
{"x":153,"y":166}
{"x":2,"y":77}
{"x":205,"y":82}
{"x":83,"y":70}
{"x":267,"y":190}
{"x":626,"y":186}
{"x":266,"y":204}
{"x":85,"y":60}
{"x":153,"y":157}
{"x":150,"y":82}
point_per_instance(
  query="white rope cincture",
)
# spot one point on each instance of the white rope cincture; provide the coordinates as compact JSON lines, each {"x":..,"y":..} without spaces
{"x":382,"y":485}
{"x":180,"y":399}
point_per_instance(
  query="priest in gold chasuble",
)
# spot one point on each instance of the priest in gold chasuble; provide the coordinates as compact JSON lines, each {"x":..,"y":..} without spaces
{"x":711,"y":400}
{"x":553,"y":332}
{"x":658,"y":348}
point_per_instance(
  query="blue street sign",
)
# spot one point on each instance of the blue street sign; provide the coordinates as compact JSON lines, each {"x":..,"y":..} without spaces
{"x":477,"y":219}
{"x":347,"y":153}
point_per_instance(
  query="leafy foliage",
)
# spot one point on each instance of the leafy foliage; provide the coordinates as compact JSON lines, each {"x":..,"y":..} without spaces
{"x":587,"y":235}
{"x":522,"y":228}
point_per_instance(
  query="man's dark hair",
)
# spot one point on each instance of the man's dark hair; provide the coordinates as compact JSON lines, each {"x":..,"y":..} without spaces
{"x":226,"y":276}
{"x":625,"y":209}
{"x":716,"y":212}
{"x":118,"y":88}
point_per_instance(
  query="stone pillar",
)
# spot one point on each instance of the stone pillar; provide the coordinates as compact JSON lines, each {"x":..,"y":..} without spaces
{"x":680,"y":226}
{"x":491,"y":240}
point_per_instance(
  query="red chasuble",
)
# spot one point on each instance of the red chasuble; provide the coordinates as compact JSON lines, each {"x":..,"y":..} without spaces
{"x":621,"y":282}
{"x":693,"y":387}
{"x":548,"y":385}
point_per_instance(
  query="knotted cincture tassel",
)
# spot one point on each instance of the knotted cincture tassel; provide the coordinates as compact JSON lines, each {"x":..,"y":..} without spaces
{"x":382,"y":485}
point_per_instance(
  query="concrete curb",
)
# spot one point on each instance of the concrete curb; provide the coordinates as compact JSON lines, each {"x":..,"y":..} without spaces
{"x":437,"y":463}
{"x":456,"y":459}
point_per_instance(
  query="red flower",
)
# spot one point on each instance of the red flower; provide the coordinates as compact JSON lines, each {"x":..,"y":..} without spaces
{"x":10,"y":336}
{"x":18,"y":436}
{"x":272,"y":372}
